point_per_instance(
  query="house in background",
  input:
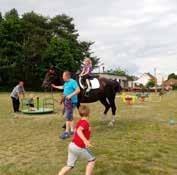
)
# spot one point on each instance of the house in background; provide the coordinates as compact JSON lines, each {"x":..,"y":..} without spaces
{"x":144,"y":79}
{"x":160,"y":79}
{"x":123,"y":80}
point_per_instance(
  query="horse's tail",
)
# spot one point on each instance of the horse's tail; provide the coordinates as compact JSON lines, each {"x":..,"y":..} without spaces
{"x":117,"y":86}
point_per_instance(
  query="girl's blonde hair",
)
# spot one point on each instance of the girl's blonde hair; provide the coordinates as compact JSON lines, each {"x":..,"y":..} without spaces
{"x":88,"y":59}
{"x":31,"y":95}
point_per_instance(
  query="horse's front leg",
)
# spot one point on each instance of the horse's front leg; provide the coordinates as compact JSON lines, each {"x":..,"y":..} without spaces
{"x":113,"y":108}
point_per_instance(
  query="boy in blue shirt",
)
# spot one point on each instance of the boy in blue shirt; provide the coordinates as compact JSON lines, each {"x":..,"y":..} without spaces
{"x":71,"y":91}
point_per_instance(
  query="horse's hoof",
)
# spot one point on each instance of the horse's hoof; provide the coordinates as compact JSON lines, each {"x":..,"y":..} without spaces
{"x":111,"y":124}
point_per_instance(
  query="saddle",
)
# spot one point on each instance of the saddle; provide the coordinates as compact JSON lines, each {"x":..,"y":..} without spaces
{"x":95,"y":84}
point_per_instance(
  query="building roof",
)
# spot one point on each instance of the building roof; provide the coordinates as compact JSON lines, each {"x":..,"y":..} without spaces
{"x":147,"y":75}
{"x":112,"y":76}
{"x":151,"y":76}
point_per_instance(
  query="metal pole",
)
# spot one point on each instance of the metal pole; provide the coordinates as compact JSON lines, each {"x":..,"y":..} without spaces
{"x":52,"y":96}
{"x":37,"y":103}
{"x":163,"y":88}
{"x":155,"y":74}
{"x":44,"y":104}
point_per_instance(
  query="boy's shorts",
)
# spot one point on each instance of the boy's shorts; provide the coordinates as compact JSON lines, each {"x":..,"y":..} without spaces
{"x":69,"y":111}
{"x":74,"y":152}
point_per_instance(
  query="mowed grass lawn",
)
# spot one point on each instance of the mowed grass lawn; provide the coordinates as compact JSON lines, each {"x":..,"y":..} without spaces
{"x":141,"y":143}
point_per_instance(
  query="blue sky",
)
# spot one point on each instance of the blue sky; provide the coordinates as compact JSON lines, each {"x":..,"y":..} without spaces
{"x":136,"y":35}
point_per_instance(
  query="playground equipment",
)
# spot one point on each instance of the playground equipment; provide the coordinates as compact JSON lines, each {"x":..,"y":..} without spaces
{"x":128,"y":99}
{"x":45,"y":106}
{"x":142,"y":96}
{"x":131,"y":99}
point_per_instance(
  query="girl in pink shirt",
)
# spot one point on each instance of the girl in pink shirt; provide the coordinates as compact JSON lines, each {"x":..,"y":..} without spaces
{"x":86,"y":72}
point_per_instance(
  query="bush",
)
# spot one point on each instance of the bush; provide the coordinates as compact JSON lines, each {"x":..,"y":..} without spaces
{"x":174,"y":87}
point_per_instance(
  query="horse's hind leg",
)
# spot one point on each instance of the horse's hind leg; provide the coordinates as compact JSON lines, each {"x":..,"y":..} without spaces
{"x":113,"y":108}
{"x":107,"y":106}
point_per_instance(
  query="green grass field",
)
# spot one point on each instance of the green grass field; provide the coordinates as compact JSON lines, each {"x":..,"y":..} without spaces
{"x":141,"y":143}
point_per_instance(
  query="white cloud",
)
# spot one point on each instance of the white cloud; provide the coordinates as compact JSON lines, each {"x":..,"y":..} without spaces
{"x":136,"y":35}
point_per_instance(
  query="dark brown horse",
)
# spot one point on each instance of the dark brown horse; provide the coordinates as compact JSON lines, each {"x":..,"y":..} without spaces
{"x":106,"y":94}
{"x":50,"y":77}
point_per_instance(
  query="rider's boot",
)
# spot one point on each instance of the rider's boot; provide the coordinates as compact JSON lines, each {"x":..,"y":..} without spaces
{"x":88,"y":85}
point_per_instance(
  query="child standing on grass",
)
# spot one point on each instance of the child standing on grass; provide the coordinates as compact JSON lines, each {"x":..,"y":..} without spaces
{"x":80,"y":144}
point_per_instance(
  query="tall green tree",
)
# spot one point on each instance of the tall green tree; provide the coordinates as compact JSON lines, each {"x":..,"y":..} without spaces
{"x":1,"y":17}
{"x":30,"y":43}
{"x":10,"y":48}
{"x":117,"y":71}
{"x":120,"y":72}
{"x":150,"y":83}
{"x":63,"y":26}
{"x":172,"y":76}
{"x":36,"y":37}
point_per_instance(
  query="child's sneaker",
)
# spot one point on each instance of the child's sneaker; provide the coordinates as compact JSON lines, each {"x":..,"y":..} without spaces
{"x":65,"y":135}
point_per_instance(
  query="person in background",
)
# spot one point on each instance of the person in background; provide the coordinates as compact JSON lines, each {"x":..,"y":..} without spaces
{"x":71,"y":91}
{"x":15,"y":95}
{"x":80,"y":144}
{"x":86,"y":72}
{"x":30,"y":102}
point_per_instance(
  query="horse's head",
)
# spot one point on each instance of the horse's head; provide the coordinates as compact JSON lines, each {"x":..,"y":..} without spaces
{"x":75,"y":75}
{"x":51,"y":77}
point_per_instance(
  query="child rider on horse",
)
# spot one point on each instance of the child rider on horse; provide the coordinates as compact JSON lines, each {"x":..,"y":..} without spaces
{"x":86,"y":72}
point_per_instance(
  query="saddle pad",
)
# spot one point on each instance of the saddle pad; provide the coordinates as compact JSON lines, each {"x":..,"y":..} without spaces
{"x":95,"y":83}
